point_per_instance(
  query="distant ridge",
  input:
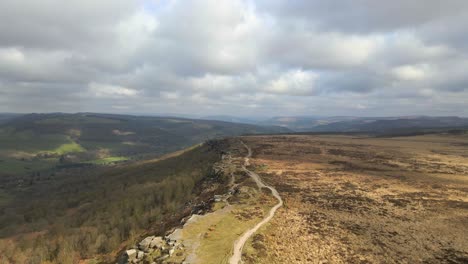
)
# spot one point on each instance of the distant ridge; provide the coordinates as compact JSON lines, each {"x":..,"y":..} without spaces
{"x":356,"y":124}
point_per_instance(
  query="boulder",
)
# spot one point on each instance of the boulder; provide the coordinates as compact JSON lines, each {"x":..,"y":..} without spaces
{"x":140,"y":255}
{"x":157,"y":242}
{"x":145,"y":244}
{"x":132,"y":255}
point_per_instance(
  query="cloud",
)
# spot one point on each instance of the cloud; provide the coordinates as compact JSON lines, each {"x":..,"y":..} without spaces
{"x":243,"y":57}
{"x":365,"y":16}
{"x":308,"y":48}
{"x":294,"y":82}
{"x":410,"y":72}
{"x":112,"y":91}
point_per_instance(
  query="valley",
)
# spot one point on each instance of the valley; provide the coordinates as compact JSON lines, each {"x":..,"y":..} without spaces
{"x":43,"y":142}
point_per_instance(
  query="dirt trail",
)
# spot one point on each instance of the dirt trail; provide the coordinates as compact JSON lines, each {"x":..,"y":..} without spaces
{"x":239,"y":244}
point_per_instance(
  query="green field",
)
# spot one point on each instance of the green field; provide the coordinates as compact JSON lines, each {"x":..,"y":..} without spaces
{"x":18,"y":151}
{"x":109,"y":160}
{"x":113,"y":146}
{"x":66,"y":148}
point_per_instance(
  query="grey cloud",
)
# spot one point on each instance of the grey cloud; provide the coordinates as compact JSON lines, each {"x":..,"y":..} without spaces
{"x":363,"y":81}
{"x":53,"y":24}
{"x":234,"y":57}
{"x":364,"y":16}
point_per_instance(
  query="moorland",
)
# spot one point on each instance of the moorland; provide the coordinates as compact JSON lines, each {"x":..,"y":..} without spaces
{"x":356,"y":198}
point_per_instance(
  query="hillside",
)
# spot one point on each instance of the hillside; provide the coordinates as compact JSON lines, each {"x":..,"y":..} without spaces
{"x":36,"y":142}
{"x":5,"y":117}
{"x":394,"y":125}
{"x":366,"y":124}
{"x":78,"y":214}
{"x":81,"y":186}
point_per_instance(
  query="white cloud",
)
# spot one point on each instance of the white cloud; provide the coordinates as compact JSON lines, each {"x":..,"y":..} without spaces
{"x":410,"y":72}
{"x":11,"y":56}
{"x":294,"y":82}
{"x":308,"y":48}
{"x":112,"y":91}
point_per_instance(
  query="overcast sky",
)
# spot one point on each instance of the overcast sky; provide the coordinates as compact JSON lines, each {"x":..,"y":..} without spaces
{"x":247,"y":58}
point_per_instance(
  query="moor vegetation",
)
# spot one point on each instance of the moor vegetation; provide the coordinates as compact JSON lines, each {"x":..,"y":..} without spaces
{"x":364,"y":199}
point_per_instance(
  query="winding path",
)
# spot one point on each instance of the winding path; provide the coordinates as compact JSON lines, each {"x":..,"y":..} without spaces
{"x":236,"y":258}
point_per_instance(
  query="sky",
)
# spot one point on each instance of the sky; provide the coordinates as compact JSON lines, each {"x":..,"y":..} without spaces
{"x":229,"y":57}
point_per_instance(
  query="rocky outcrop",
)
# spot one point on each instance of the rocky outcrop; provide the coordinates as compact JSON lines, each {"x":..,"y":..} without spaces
{"x":153,"y":249}
{"x":168,"y":249}
{"x":132,"y":255}
{"x":151,"y":242}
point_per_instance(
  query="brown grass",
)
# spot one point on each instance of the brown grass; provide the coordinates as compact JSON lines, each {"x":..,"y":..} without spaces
{"x":364,"y":200}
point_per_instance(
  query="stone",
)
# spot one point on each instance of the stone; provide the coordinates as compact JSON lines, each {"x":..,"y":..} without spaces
{"x":157,"y":242}
{"x":163,"y":257}
{"x":140,"y":255}
{"x":171,"y":251}
{"x":131,"y":254}
{"x":145,"y":244}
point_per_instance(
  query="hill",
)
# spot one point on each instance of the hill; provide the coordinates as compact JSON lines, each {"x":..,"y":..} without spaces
{"x":393,"y":125}
{"x":78,"y":214}
{"x":5,"y":117}
{"x":82,"y":186}
{"x":39,"y":141}
{"x":366,"y":124}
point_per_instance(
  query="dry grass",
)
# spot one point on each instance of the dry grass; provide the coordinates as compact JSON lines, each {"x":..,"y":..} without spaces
{"x":364,"y":200}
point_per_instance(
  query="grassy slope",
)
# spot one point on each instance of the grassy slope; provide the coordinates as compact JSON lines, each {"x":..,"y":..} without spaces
{"x":108,"y":160}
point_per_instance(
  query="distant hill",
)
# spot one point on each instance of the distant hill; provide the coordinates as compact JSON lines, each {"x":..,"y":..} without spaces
{"x":397,"y":124}
{"x":36,"y":141}
{"x":5,"y":117}
{"x":235,"y":119}
{"x":365,"y":124}
{"x":304,"y":123}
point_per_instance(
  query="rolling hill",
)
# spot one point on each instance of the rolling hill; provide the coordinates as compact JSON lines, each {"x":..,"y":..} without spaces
{"x":366,"y":124}
{"x":37,"y":141}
